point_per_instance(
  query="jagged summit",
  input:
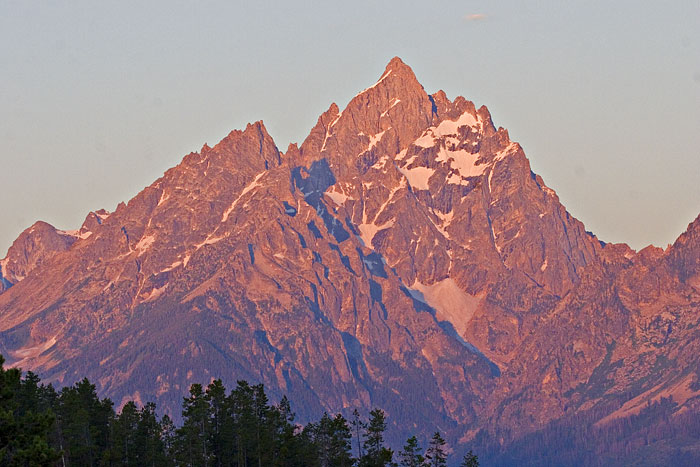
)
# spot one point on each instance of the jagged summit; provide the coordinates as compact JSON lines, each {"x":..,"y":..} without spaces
{"x":404,"y":256}
{"x":397,"y":70}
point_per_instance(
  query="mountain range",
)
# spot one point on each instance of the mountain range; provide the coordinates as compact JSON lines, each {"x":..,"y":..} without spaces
{"x":404,"y":256}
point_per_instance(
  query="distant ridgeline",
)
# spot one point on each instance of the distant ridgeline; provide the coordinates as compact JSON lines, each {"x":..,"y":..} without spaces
{"x":42,"y":426}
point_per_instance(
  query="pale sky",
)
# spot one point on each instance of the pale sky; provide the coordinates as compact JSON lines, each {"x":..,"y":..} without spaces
{"x":98,"y":99}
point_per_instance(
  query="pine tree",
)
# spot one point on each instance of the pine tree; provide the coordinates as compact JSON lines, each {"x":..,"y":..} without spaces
{"x":24,"y":424}
{"x":411,"y":454}
{"x":289,"y":449}
{"x":359,"y":426}
{"x":470,"y":460}
{"x":124,"y":435}
{"x":150,"y":447}
{"x":436,"y":451}
{"x":241,"y":401}
{"x":169,"y":436}
{"x":193,"y":436}
{"x":376,"y":454}
{"x":263,"y":426}
{"x":322,"y":432}
{"x":84,"y":422}
{"x":221,"y":422}
{"x":341,"y":449}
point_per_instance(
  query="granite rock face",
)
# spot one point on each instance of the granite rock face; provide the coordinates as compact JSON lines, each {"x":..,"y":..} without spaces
{"x":34,"y":246}
{"x":403,"y":256}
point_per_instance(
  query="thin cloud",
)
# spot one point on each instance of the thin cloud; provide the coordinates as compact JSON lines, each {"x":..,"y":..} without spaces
{"x":475,"y":17}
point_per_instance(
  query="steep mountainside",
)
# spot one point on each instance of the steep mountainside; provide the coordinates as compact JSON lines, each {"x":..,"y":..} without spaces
{"x":404,"y":256}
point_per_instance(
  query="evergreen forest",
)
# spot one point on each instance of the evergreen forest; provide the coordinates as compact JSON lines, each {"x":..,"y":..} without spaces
{"x":40,"y":425}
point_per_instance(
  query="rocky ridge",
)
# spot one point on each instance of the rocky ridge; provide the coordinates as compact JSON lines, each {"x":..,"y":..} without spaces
{"x":404,"y":255}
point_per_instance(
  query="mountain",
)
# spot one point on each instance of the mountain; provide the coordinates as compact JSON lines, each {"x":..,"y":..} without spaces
{"x":403,"y":256}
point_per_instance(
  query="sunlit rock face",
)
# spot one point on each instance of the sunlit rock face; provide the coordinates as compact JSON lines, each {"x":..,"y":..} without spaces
{"x":404,"y":256}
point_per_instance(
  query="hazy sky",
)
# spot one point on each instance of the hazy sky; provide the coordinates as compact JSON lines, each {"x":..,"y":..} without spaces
{"x":98,"y":99}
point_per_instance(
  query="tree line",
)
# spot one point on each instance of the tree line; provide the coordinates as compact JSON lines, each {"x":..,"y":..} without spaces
{"x":40,"y":425}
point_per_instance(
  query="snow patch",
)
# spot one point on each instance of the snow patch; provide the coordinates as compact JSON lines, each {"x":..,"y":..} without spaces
{"x":449,"y":127}
{"x":209,"y":241}
{"x":510,"y":149}
{"x":450,"y":302}
{"x":374,"y":139}
{"x":163,"y":198}
{"x":26,"y":353}
{"x":249,"y":187}
{"x":335,"y":120}
{"x":172,"y":266}
{"x":418,"y":176}
{"x":337,"y":195}
{"x":401,"y":155}
{"x":445,"y":220}
{"x":490,"y":177}
{"x":445,"y":128}
{"x":368,"y":231}
{"x":544,"y":265}
{"x":69,"y":233}
{"x":154,"y":294}
{"x":462,"y":161}
{"x":495,"y":243}
{"x":389,"y":199}
{"x":145,"y":243}
{"x":427,"y":140}
{"x":455,"y":179}
{"x":380,"y":163}
{"x":394,"y":101}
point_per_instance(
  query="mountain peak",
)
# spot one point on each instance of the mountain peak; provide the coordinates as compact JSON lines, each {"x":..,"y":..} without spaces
{"x":397,"y":72}
{"x":397,"y":65}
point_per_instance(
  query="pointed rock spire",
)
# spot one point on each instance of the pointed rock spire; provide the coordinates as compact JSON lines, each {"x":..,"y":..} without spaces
{"x":396,"y":106}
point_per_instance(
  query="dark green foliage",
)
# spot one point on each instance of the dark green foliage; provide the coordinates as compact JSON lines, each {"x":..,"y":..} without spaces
{"x":331,"y":439}
{"x":411,"y":455}
{"x":84,"y":423}
{"x":73,"y":427}
{"x":376,"y":454}
{"x":192,"y":438}
{"x":436,"y":451}
{"x":25,"y":423}
{"x":470,"y":460}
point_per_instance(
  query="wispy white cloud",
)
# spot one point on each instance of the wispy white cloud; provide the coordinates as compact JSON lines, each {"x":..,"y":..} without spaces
{"x":475,"y":17}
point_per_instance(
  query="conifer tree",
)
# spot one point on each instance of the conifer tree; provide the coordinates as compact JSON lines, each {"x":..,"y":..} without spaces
{"x":124,"y":434}
{"x":470,"y":460}
{"x":376,"y":454}
{"x":24,"y":426}
{"x":263,"y":429}
{"x":169,"y":436}
{"x":84,"y":422}
{"x":289,"y":449}
{"x":192,"y":437}
{"x":359,"y":427}
{"x":436,"y":455}
{"x":341,"y":449}
{"x":411,"y":455}
{"x":150,"y":447}
{"x":221,"y":429}
{"x":244,"y":420}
